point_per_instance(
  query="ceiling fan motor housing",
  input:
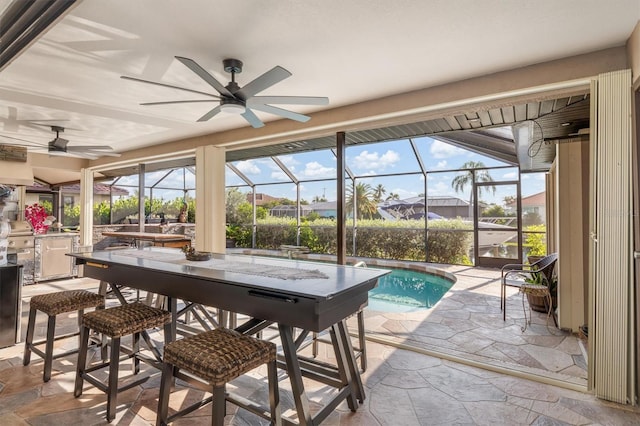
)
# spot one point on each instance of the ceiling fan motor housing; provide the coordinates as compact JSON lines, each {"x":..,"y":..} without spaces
{"x":233,"y":66}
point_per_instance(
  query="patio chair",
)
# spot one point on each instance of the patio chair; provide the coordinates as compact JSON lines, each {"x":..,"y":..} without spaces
{"x":516,"y":275}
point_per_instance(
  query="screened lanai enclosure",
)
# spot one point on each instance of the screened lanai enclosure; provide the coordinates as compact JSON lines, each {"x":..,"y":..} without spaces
{"x":465,"y":188}
{"x":421,"y":199}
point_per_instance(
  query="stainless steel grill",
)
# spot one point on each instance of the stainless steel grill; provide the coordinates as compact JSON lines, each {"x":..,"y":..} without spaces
{"x":21,"y":240}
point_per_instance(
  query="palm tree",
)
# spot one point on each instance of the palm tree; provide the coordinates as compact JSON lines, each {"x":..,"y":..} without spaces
{"x":460,"y":182}
{"x":367,"y":208}
{"x":393,"y":196}
{"x":379,"y":192}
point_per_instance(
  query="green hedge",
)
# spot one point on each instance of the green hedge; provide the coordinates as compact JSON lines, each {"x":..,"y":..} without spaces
{"x":376,"y":238}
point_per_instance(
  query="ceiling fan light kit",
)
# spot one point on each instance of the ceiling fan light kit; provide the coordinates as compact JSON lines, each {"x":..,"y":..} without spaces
{"x":232,"y":106}
{"x":237,"y":100}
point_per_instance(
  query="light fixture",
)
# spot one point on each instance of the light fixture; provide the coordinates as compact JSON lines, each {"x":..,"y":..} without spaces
{"x":232,"y":106}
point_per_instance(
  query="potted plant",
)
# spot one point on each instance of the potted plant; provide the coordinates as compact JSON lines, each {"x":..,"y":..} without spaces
{"x":537,"y":302}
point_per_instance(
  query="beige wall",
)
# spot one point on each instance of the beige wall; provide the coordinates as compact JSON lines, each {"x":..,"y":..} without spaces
{"x":571,"y":188}
{"x":633,"y":51}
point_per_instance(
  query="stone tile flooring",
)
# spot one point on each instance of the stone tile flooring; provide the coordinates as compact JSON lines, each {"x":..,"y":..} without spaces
{"x":404,"y":387}
{"x":467,"y":324}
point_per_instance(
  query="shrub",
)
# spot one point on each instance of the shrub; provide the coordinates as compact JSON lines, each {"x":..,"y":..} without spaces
{"x":401,"y":240}
{"x":536,"y":240}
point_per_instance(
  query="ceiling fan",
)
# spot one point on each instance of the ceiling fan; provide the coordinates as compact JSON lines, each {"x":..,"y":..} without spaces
{"x":60,"y":146}
{"x":241,"y":100}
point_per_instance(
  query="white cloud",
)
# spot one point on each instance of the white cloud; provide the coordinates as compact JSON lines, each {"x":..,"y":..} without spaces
{"x":374,"y":161}
{"x":512,"y":175}
{"x":280,"y":176}
{"x":248,"y":167}
{"x":288,"y":160}
{"x":403,"y":193}
{"x":444,"y":150}
{"x":441,"y":164}
{"x":439,"y":188}
{"x":316,"y":170}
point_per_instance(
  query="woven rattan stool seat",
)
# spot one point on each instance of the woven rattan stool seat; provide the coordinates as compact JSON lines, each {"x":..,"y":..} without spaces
{"x":131,"y":319}
{"x":54,"y":304}
{"x":219,"y":356}
{"x":127,"y":319}
{"x":66,"y":301}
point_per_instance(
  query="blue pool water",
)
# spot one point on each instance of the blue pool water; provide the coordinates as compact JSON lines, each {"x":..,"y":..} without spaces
{"x":404,"y":291}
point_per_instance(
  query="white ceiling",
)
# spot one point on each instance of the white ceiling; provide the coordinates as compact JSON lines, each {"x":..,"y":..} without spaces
{"x":350,"y":51}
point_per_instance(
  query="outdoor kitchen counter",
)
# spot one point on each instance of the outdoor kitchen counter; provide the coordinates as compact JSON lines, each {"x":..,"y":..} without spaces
{"x":155,"y":238}
{"x":50,"y":255}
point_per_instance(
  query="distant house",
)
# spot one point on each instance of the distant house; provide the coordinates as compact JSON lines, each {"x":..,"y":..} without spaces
{"x":414,"y":208}
{"x":533,"y":204}
{"x":289,"y":211}
{"x":328,"y":209}
{"x":262,"y":198}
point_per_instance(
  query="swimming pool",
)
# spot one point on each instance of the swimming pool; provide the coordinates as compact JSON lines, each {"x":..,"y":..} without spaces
{"x":405,"y":290}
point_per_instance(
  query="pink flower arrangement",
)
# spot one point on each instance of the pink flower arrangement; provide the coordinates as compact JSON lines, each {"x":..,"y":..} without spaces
{"x":37,"y":216}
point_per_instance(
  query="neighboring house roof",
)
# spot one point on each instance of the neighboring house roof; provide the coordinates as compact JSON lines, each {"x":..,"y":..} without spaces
{"x":286,"y":207}
{"x":435,"y":201}
{"x":262,"y":198}
{"x":325,"y":205}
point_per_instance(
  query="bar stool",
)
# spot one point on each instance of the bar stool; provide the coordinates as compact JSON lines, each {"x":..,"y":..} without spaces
{"x":54,"y":304}
{"x":132,"y":319}
{"x":215,"y":358}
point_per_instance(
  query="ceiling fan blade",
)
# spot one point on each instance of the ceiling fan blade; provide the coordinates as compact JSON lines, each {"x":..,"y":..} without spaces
{"x":73,"y":154}
{"x":282,"y":113}
{"x":288,"y":100}
{"x":24,"y":140}
{"x":266,"y":80}
{"x":203,"y":74}
{"x":179,"y":102}
{"x":252,"y":119}
{"x":22,"y":145}
{"x":210,"y":114}
{"x":106,"y":154}
{"x":139,"y":80}
{"x":89,"y":147}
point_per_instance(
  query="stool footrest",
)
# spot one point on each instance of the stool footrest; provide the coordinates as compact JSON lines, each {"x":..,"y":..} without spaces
{"x":190,"y":409}
{"x":42,"y":355}
{"x":55,"y":339}
{"x":104,"y":388}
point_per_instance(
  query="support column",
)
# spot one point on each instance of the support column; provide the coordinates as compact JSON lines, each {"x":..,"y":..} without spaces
{"x":86,"y":209}
{"x":141,"y":216}
{"x":340,"y":204}
{"x":210,"y":200}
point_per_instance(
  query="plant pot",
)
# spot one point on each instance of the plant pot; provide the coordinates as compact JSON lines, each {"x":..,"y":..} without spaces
{"x":537,"y":303}
{"x":533,"y":259}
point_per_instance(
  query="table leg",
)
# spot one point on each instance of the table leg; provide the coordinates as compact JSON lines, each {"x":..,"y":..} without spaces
{"x":351,"y":360}
{"x":346,"y":375}
{"x":172,"y":305}
{"x":295,"y":375}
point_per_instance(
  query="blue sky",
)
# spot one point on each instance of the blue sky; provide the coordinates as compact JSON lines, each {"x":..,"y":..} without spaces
{"x":365,"y":162}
